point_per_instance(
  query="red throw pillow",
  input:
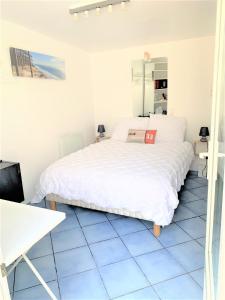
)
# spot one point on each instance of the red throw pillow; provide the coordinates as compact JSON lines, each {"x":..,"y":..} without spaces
{"x":150,"y":136}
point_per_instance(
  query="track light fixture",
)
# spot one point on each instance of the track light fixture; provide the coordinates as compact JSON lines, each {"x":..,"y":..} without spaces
{"x":86,"y":6}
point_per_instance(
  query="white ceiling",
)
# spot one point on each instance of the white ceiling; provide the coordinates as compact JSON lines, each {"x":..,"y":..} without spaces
{"x":142,"y":22}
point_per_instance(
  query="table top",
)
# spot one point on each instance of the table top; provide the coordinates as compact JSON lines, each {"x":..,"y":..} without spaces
{"x":22,"y":226}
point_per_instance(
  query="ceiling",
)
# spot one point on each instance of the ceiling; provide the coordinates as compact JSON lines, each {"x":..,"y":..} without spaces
{"x":141,"y":22}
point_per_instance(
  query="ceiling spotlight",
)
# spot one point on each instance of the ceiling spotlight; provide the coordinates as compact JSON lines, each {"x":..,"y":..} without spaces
{"x":123,"y":4}
{"x":75,"y":16}
{"x":110,"y":8}
{"x":98,"y":10}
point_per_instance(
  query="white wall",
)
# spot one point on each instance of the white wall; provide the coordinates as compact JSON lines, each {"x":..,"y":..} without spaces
{"x":190,"y":65}
{"x":36,"y":112}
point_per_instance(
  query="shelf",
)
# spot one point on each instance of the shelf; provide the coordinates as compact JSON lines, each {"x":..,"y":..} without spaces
{"x":160,"y":101}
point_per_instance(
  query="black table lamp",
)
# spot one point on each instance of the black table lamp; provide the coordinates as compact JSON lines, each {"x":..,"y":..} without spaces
{"x":204,"y":132}
{"x":101,"y":130}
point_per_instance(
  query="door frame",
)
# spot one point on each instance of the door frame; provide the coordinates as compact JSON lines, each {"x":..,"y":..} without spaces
{"x":218,"y":78}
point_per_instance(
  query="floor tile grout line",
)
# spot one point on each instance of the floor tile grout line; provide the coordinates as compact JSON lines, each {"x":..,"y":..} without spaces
{"x":197,"y":187}
{"x":95,"y":263}
{"x":202,"y":183}
{"x":146,"y":229}
{"x":130,"y":293}
{"x":112,"y":263}
{"x":186,"y":273}
{"x":189,"y":273}
{"x":14,"y":291}
{"x":57,"y":277}
{"x":133,"y":257}
{"x":183,"y":202}
{"x":185,"y":188}
{"x":87,"y":225}
{"x":14,"y":279}
{"x":36,"y":285}
{"x":179,"y":243}
{"x":139,"y":230}
{"x":41,"y":256}
{"x":114,"y":238}
{"x":188,"y":219}
{"x":193,"y":238}
{"x":204,"y":197}
{"x":163,"y":247}
{"x":106,"y":221}
{"x":191,"y":209}
{"x":35,"y":258}
{"x":196,"y":240}
{"x":120,"y":216}
{"x":156,"y":292}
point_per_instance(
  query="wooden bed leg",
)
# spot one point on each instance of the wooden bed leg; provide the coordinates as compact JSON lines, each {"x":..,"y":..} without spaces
{"x":156,"y":230}
{"x":52,"y":205}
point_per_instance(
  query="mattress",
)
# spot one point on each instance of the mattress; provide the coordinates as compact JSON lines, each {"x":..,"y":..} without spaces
{"x":139,"y":178}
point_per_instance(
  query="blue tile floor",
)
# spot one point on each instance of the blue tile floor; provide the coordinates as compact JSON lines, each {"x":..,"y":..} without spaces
{"x":95,"y":255}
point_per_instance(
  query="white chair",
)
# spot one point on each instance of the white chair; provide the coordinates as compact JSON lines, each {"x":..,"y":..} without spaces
{"x":21,"y":226}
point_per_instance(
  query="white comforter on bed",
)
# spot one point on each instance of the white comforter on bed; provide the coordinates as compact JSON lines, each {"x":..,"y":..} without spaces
{"x":112,"y":174}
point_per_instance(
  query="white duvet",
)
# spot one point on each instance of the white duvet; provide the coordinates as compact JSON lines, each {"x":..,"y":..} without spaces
{"x":112,"y":174}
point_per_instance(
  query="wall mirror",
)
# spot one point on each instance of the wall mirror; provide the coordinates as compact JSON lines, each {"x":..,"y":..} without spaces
{"x":149,"y":86}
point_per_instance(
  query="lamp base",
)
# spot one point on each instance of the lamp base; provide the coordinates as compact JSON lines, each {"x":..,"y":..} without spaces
{"x":204,"y":139}
{"x":101,"y":135}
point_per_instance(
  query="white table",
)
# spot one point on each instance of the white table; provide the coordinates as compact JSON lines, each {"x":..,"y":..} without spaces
{"x":21,"y":227}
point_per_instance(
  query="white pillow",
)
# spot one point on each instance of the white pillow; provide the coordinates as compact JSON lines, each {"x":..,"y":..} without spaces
{"x":120,"y":132}
{"x":169,"y":128}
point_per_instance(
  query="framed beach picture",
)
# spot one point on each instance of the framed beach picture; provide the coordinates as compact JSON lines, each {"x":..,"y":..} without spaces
{"x":33,"y":64}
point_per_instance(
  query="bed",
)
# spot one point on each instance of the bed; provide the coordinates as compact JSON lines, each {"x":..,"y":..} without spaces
{"x":132,"y":179}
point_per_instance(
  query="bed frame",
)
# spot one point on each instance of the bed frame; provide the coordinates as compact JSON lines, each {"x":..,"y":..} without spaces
{"x":53,"y":199}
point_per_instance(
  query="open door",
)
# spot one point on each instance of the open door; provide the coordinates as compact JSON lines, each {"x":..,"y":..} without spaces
{"x":215,"y":231}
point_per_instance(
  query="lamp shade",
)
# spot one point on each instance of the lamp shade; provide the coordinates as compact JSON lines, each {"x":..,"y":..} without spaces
{"x":101,"y":128}
{"x":204,"y":131}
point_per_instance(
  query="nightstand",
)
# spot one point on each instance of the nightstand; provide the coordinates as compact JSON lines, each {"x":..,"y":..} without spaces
{"x":99,"y":139}
{"x":200,"y":147}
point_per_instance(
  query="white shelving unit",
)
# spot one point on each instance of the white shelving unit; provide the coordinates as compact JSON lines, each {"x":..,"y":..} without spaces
{"x":160,"y":76}
{"x":149,"y":88}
